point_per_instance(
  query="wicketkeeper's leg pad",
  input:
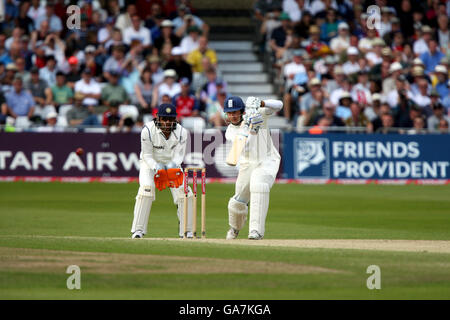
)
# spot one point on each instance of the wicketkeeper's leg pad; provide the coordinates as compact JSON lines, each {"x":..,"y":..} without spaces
{"x":237,"y":213}
{"x":142,"y":207}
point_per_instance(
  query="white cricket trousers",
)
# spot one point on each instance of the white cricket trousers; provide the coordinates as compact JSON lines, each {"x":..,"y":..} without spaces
{"x":253,"y":186}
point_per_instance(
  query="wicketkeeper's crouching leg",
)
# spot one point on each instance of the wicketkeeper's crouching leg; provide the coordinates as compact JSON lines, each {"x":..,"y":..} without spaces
{"x":142,"y":207}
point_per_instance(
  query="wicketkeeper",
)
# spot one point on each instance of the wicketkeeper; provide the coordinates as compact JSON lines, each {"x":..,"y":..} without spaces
{"x":258,"y":163}
{"x":163,"y":146}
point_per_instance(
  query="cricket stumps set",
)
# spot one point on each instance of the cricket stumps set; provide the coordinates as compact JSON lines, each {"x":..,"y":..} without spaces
{"x":195,"y":171}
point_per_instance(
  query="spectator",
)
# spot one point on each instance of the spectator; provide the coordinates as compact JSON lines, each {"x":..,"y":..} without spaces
{"x":105,"y":33}
{"x":443,"y":33}
{"x":400,"y":94}
{"x":422,"y":97}
{"x":341,"y":42}
{"x":15,"y":37}
{"x":432,"y":57}
{"x":177,"y":63}
{"x":441,"y":81}
{"x":80,"y":114}
{"x":124,"y":20}
{"x":387,"y":123}
{"x":421,"y":45}
{"x":74,"y":72}
{"x":54,"y":22}
{"x":145,"y":91}
{"x":3,"y":109}
{"x":111,"y":117}
{"x":169,"y":87}
{"x":329,"y":29}
{"x":377,"y":122}
{"x":406,"y":118}
{"x":389,"y":83}
{"x":310,"y":104}
{"x":7,"y":82}
{"x":328,"y":112}
{"x":195,"y":57}
{"x":185,"y":20}
{"x":116,"y":62}
{"x":190,"y":42}
{"x":48,"y":73}
{"x":290,"y":71}
{"x":186,"y":103}
{"x":59,"y":94}
{"x":214,"y":110}
{"x":21,"y":71}
{"x":89,"y":88}
{"x":116,"y":40}
{"x":433,"y":122}
{"x":137,"y":32}
{"x":444,"y":126}
{"x":358,"y":118}
{"x":20,"y":102}
{"x":36,"y":11}
{"x":343,"y":109}
{"x":418,"y":126}
{"x":360,"y":91}
{"x":374,"y":56}
{"x":167,"y":36}
{"x":157,"y":71}
{"x":36,"y":85}
{"x":210,"y":89}
{"x":278,"y":43}
{"x":271,"y":22}
{"x":352,"y":65}
{"x":113,"y":91}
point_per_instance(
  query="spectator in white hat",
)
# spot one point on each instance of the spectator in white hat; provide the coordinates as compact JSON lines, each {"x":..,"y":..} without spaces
{"x":421,"y":45}
{"x":169,"y":86}
{"x":388,"y":84}
{"x":442,"y":79}
{"x":352,"y":65}
{"x":167,"y":36}
{"x":342,"y":41}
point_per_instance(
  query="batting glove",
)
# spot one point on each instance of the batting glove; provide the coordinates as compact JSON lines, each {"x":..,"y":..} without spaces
{"x":253,"y":103}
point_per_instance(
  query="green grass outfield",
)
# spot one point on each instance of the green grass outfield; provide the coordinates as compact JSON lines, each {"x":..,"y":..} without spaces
{"x":45,"y":227}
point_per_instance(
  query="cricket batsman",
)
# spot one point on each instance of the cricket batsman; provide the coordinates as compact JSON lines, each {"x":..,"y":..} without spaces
{"x":163,"y":146}
{"x":258,"y":163}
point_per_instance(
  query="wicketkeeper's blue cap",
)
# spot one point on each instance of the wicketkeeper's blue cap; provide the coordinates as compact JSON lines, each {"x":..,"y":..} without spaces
{"x":167,"y":110}
{"x":234,"y":104}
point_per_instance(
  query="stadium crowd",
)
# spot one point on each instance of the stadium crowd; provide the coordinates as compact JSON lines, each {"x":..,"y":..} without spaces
{"x":336,"y":64}
{"x":112,"y":70}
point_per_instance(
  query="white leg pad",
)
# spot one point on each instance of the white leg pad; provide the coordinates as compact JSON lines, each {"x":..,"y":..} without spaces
{"x":180,"y":205}
{"x":237,"y":213}
{"x":142,"y":207}
{"x":259,"y":205}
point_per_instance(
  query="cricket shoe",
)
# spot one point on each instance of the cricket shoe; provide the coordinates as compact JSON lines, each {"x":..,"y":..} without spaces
{"x":232,"y":234}
{"x":189,"y":235}
{"x":137,"y":235}
{"x":254,"y":235}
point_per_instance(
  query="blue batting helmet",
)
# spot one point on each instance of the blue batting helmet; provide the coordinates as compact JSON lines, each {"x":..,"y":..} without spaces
{"x":234,"y":104}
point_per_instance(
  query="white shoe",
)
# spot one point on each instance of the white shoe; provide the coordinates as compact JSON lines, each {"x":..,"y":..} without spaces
{"x":232,"y":234}
{"x":137,"y":235}
{"x":254,"y":235}
{"x":189,"y":235}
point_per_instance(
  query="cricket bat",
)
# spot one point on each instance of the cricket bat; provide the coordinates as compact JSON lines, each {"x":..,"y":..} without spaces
{"x":238,"y":145}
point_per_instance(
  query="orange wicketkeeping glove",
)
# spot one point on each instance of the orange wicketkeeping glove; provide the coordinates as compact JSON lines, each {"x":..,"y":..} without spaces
{"x":161,"y":180}
{"x":175,"y":176}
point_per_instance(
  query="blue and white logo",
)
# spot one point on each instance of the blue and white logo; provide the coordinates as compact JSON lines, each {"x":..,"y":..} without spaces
{"x":312,"y":159}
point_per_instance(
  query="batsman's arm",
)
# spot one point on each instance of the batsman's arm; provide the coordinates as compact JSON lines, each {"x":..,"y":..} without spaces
{"x":270,"y":106}
{"x":147,"y":148}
